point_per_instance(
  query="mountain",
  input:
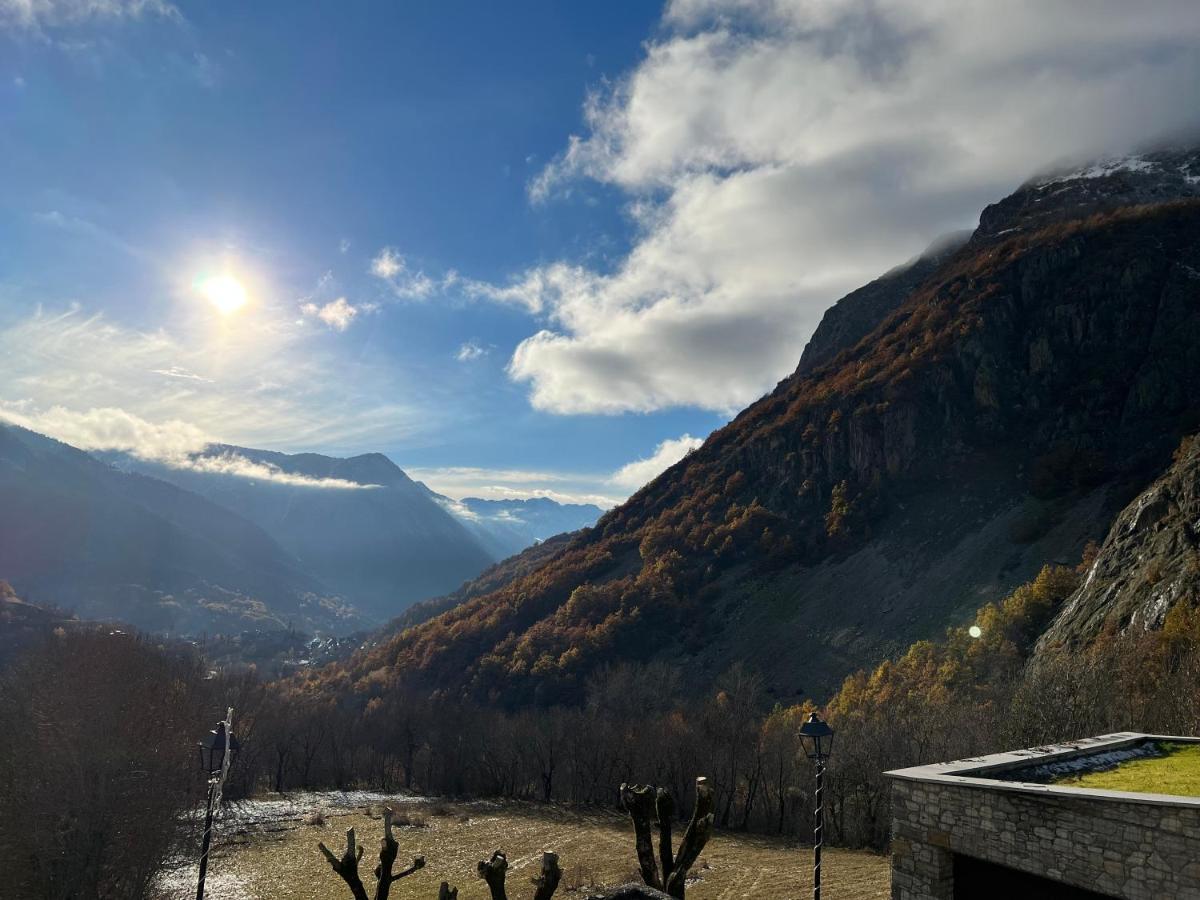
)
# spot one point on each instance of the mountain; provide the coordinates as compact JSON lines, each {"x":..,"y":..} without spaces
{"x":359,"y":524}
{"x":78,"y":534}
{"x":506,"y":527}
{"x":997,"y":417}
{"x":1148,"y":563}
{"x":858,"y":313}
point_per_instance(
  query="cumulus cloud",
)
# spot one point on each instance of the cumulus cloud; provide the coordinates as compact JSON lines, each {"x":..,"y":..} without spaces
{"x":777,"y":154}
{"x":337,"y":314}
{"x":391,"y":267}
{"x":632,"y":476}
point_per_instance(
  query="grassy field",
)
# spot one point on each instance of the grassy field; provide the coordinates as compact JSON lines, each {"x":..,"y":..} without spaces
{"x":595,"y":849}
{"x":1176,"y":772}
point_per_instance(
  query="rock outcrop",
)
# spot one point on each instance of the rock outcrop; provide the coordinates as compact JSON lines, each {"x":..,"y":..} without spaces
{"x":1149,"y":562}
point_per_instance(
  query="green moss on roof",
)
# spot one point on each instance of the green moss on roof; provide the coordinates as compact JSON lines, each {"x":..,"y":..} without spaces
{"x":1177,"y":771}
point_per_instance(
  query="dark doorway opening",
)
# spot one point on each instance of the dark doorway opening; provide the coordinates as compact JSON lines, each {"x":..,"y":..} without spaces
{"x":975,"y":879}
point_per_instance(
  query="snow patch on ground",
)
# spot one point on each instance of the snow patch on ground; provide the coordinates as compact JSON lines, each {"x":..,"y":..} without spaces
{"x":275,"y":813}
{"x":180,"y":884}
{"x":1102,"y":169}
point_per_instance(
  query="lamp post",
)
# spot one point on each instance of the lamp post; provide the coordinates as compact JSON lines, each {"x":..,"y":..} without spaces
{"x":216,"y":754}
{"x":817,"y":739}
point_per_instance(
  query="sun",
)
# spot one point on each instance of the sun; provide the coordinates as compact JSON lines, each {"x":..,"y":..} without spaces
{"x":224,"y":292}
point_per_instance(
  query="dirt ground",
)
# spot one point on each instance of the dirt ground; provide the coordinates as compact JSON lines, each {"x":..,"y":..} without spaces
{"x":595,"y":849}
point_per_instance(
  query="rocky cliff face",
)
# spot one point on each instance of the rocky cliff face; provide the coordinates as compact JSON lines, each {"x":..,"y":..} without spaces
{"x":993,"y":421}
{"x":859,"y":313}
{"x":1149,"y":562}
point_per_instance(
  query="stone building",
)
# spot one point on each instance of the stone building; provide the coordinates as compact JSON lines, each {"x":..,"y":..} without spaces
{"x":993,"y":827}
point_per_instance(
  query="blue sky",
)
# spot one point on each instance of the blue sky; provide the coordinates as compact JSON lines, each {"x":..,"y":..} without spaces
{"x":520,"y":248}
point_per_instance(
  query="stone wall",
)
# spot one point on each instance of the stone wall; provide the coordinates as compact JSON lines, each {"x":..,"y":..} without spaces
{"x":1119,"y":845}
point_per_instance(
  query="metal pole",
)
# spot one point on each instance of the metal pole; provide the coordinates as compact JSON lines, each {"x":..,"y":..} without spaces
{"x":818,"y":821}
{"x":208,"y":817}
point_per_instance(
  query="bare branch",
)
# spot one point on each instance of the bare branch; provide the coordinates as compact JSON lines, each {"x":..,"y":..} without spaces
{"x":664,"y":808}
{"x":347,"y":865}
{"x":639,"y":801}
{"x":698,"y":832}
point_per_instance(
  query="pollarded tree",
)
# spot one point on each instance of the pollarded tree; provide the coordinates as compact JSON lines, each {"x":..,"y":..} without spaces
{"x":347,"y":864}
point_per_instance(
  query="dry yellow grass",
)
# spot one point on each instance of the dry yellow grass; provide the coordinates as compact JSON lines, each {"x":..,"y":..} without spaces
{"x":595,"y":849}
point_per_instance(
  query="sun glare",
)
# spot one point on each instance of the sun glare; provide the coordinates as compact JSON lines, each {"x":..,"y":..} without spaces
{"x":224,"y":292}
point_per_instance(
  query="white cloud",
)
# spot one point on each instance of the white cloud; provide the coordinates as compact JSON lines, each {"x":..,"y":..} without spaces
{"x":265,"y":383}
{"x":178,"y":372}
{"x":632,"y":476}
{"x":778,"y":154}
{"x":471,"y":350}
{"x":35,"y":14}
{"x":337,"y":314}
{"x":458,"y":482}
{"x":110,"y":428}
{"x":390,"y":266}
{"x":240,"y":467}
{"x":177,"y":444}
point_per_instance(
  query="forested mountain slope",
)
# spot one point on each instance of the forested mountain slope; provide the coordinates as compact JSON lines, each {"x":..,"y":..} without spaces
{"x":995,"y":420}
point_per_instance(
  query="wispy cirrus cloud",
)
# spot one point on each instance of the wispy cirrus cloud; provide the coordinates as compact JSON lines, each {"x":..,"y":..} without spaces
{"x":471,"y":350}
{"x":265,"y":383}
{"x":37,"y":14}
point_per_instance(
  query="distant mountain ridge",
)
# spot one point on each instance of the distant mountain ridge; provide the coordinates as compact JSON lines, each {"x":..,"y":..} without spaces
{"x":359,"y":524}
{"x":378,"y":539}
{"x":77,"y":533}
{"x":994,"y":418}
{"x":507,"y":527}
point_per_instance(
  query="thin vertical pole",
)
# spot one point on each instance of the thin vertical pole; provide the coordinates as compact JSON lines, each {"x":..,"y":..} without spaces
{"x":208,"y":817}
{"x":818,"y":823}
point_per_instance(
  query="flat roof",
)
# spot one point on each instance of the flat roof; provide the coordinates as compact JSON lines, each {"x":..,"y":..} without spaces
{"x":981,"y":772}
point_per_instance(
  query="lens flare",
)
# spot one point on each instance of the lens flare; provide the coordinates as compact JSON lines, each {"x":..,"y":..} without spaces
{"x":975,"y":631}
{"x":224,"y":292}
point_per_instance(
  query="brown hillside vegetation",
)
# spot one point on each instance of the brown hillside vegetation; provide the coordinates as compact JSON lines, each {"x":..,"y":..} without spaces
{"x":1054,"y":362}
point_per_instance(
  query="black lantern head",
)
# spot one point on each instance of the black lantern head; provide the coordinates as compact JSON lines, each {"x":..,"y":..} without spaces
{"x":817,"y":738}
{"x":213,"y":747}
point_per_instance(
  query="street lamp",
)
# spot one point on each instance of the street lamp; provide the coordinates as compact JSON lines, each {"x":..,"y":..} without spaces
{"x":213,"y":751}
{"x":817,"y":738}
